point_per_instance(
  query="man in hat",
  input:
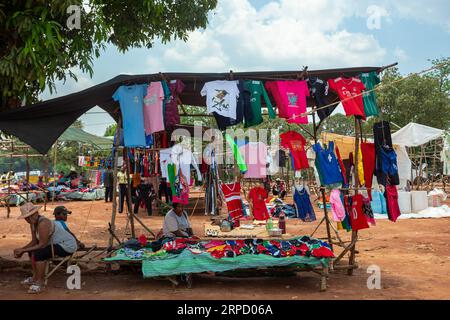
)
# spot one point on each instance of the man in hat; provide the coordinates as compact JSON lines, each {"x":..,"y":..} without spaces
{"x":279,"y":188}
{"x":49,"y":239}
{"x":61,"y":214}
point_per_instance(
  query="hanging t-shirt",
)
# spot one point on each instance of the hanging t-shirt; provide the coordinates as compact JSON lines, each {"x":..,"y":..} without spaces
{"x":328,"y":165}
{"x":131,"y":99}
{"x":255,"y":156}
{"x":258,"y":195}
{"x":243,"y":104}
{"x":182,"y":158}
{"x":295,"y":142}
{"x":256,"y":90}
{"x":153,"y":108}
{"x":172,"y":117}
{"x":318,"y":90}
{"x":349,"y":91}
{"x":232,"y":195}
{"x":221,"y":97}
{"x":290,"y":97}
{"x":370,"y":80}
{"x":357,"y":218}
{"x":273,"y":87}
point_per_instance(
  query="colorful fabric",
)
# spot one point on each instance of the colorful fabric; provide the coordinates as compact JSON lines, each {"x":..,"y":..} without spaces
{"x":349,"y":91}
{"x":131,"y":99}
{"x":296,"y":143}
{"x":258,"y":196}
{"x":255,"y":155}
{"x":232,"y":194}
{"x":370,"y":80}
{"x":257,"y":92}
{"x":303,"y":206}
{"x":172,"y":117}
{"x":328,"y":165}
{"x":337,"y":207}
{"x":237,"y":155}
{"x":153,"y":108}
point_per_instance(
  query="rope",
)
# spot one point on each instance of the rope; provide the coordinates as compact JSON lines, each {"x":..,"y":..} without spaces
{"x":314,"y":109}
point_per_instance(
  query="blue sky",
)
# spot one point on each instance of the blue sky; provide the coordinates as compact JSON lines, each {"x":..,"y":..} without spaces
{"x":248,"y":35}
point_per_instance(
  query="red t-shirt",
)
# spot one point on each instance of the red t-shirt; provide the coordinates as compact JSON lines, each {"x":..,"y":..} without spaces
{"x":347,"y":89}
{"x":295,"y":142}
{"x":258,"y":195}
{"x":357,"y":218}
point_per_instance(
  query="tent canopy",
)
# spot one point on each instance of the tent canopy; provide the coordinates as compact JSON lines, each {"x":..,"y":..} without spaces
{"x":79,"y":135}
{"x":414,"y":134}
{"x":41,"y":124}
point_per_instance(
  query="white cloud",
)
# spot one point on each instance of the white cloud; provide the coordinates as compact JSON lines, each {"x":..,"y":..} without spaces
{"x":280,"y":35}
{"x":400,"y":54}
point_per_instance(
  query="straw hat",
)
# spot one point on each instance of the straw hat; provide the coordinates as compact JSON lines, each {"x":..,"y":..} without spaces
{"x":28,"y":209}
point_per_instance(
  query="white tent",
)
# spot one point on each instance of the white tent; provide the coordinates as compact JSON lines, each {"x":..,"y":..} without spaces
{"x":414,"y":135}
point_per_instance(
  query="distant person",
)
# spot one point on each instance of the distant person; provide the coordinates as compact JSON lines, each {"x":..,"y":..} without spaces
{"x":49,"y":239}
{"x":108,"y":183}
{"x":40,"y":184}
{"x":122,"y":180}
{"x":145,"y":192}
{"x":279,"y":188}
{"x":164,"y":189}
{"x":3,"y":178}
{"x":60,"y":214}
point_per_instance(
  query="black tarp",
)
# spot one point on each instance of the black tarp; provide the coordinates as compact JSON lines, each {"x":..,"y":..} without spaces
{"x":41,"y":124}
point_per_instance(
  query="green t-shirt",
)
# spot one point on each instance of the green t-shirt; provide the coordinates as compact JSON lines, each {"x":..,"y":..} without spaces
{"x":256,"y":88}
{"x":167,"y":95}
{"x":370,"y":80}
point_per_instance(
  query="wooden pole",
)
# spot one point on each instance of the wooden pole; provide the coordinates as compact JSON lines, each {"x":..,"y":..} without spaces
{"x":54,"y":171}
{"x":324,"y":198}
{"x":27,"y":162}
{"x":112,"y":226}
{"x":129,"y":204}
{"x":351,"y":260}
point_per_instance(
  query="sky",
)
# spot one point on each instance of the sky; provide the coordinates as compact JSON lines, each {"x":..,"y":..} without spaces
{"x":257,"y":35}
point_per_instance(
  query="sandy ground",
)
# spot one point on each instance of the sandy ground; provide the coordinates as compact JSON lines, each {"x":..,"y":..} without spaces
{"x":413,"y":255}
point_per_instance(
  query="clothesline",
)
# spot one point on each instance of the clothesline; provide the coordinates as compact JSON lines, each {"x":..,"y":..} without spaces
{"x":315,"y":109}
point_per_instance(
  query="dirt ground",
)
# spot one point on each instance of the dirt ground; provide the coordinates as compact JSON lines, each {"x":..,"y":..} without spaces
{"x":413,"y":255}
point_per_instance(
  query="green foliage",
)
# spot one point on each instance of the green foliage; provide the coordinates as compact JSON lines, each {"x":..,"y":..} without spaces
{"x":422,"y":99}
{"x":110,"y":130}
{"x":37,"y":48}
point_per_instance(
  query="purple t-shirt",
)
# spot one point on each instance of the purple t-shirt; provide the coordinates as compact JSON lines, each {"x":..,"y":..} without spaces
{"x":172,"y":117}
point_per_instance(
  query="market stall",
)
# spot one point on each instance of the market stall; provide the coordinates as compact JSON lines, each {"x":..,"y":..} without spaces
{"x":147,"y":110}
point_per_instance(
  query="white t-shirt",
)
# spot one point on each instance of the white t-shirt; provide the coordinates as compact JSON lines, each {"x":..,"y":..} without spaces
{"x":172,"y":223}
{"x":221,"y":97}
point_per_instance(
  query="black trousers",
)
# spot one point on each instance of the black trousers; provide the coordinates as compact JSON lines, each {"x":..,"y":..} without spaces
{"x":163,"y":188}
{"x":143,"y":196}
{"x":108,"y":194}
{"x":123,"y":195}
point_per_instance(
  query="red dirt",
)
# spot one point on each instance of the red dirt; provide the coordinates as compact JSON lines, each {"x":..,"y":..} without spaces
{"x":414,"y":257}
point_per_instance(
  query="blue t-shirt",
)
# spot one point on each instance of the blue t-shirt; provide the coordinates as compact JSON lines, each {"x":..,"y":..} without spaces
{"x":131,"y":99}
{"x":328,"y":164}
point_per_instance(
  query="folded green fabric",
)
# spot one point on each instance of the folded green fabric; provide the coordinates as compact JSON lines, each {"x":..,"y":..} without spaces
{"x":187,"y":262}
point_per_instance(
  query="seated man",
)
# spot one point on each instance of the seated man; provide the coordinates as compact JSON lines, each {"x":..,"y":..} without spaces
{"x":279,"y":188}
{"x":49,"y":239}
{"x":60,"y":214}
{"x":176,"y":223}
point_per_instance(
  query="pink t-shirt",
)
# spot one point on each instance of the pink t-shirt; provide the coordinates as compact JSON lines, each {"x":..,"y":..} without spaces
{"x":255,"y":156}
{"x":290,"y":97}
{"x":153,"y":108}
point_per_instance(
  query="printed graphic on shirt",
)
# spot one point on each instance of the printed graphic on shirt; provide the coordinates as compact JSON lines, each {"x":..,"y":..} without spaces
{"x":293,"y":98}
{"x":151,"y":100}
{"x":219,"y":100}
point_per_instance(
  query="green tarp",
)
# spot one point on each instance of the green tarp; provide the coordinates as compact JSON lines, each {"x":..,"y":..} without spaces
{"x":187,"y":262}
{"x":76,"y":134}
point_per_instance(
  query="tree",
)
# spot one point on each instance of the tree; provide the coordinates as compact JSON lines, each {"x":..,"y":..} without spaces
{"x":421,"y":99}
{"x":110,"y":130}
{"x":38,"y":45}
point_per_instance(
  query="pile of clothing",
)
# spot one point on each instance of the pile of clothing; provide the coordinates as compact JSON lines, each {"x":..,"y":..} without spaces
{"x":301,"y":246}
